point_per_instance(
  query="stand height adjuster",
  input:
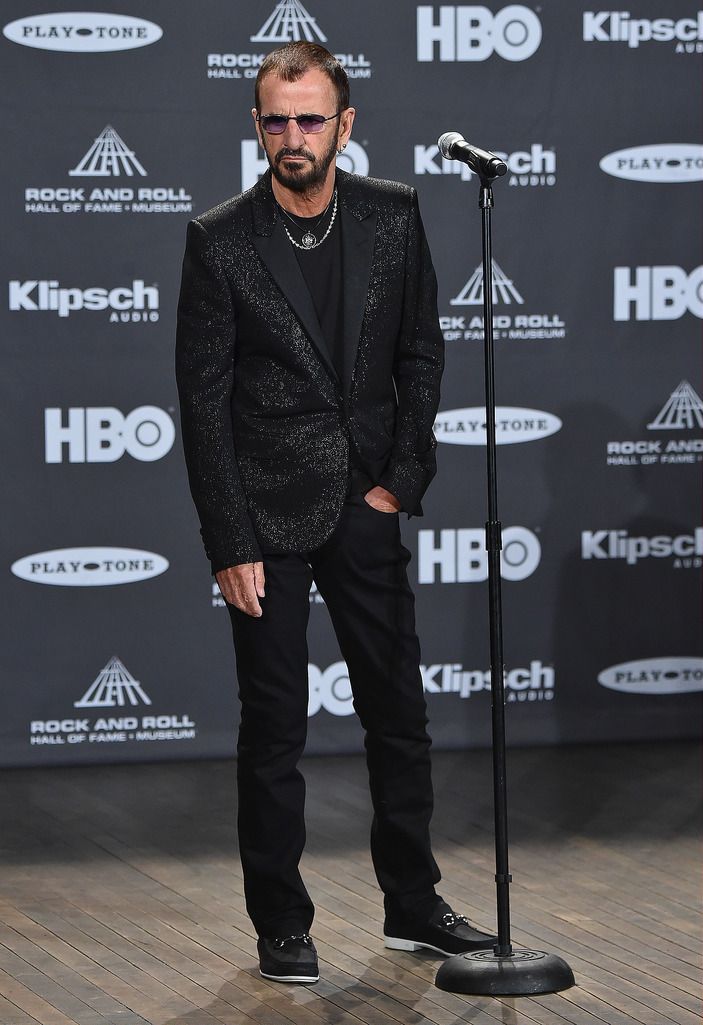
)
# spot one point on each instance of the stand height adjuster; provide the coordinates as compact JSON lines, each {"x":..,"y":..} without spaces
{"x":501,"y":878}
{"x":494,"y":535}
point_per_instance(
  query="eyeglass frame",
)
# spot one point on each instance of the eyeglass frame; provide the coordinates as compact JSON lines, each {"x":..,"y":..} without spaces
{"x":262,"y":119}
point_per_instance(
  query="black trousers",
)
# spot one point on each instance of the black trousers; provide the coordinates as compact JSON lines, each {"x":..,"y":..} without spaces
{"x":361,"y":574}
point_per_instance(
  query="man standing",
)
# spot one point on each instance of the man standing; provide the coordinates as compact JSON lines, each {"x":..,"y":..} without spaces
{"x":309,"y":359}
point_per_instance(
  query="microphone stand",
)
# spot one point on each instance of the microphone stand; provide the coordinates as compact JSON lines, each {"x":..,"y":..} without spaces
{"x":503,"y":971}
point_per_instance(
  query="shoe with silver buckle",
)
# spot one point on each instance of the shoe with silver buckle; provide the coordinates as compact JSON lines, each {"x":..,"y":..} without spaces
{"x":444,"y":931}
{"x":288,"y":958}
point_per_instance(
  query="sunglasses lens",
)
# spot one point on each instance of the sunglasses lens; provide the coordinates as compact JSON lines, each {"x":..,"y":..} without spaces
{"x":310,"y":123}
{"x":274,"y":124}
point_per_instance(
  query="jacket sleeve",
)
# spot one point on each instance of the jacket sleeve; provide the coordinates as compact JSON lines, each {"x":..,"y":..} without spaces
{"x":205,"y":341}
{"x":419,"y":361}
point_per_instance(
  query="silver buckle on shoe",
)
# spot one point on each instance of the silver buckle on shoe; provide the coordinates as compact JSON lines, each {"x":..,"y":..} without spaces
{"x":279,"y":943}
{"x":450,"y":920}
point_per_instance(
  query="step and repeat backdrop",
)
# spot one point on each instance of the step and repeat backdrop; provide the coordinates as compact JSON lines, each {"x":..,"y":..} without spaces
{"x":122,"y":124}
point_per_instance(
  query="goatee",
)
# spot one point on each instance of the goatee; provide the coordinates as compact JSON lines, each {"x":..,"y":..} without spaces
{"x":307,"y":177}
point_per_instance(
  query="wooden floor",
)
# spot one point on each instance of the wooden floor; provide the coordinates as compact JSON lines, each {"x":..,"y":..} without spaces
{"x":121,"y":897}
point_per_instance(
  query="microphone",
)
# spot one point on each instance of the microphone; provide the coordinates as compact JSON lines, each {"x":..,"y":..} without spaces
{"x":454,"y":146}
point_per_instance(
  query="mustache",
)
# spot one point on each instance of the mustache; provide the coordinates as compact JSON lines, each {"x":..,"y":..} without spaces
{"x":285,"y":152}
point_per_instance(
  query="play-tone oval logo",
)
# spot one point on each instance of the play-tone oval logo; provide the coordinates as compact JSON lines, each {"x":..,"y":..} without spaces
{"x":513,"y":425}
{"x":82,"y":32}
{"x":673,"y":675}
{"x":663,"y":162}
{"x":89,"y":567}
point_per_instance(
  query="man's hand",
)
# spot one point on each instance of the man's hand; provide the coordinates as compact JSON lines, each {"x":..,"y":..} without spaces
{"x":242,"y":586}
{"x":384,"y":501}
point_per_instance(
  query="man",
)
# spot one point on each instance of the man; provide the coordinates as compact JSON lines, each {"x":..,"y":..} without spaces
{"x":309,"y":359}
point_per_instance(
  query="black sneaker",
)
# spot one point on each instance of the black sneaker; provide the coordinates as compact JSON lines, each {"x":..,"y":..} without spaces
{"x":444,"y":932}
{"x":288,"y":959}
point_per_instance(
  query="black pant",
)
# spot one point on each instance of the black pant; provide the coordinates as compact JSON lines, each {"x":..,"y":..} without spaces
{"x":361,"y":574}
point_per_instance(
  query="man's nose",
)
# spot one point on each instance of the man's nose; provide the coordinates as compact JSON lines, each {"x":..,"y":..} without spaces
{"x":293,"y":137}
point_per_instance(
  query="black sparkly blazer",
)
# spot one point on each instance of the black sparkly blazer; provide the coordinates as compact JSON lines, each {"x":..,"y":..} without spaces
{"x":267,"y":424}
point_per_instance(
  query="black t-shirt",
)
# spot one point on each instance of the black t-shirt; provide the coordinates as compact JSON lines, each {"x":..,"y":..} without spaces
{"x":322,"y":269}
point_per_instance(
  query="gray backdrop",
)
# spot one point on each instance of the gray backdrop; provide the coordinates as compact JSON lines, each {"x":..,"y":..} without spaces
{"x":118,"y":127}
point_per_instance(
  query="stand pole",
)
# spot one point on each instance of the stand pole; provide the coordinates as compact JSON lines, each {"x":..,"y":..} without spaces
{"x":502,"y":971}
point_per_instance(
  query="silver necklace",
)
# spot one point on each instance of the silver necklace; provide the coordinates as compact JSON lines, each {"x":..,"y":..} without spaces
{"x":309,"y":239}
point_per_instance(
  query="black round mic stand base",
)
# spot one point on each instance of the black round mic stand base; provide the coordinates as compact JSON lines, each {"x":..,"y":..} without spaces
{"x":520,"y":973}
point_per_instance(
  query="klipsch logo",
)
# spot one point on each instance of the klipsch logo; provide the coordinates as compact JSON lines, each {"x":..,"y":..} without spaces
{"x":254,"y":163}
{"x":127,"y":304}
{"x":513,"y":425}
{"x":682,"y":411}
{"x":536,"y":166}
{"x":621,"y":27}
{"x":521,"y":326}
{"x":460,"y":556}
{"x":666,"y":162}
{"x":657,"y":293}
{"x":102,"y":434}
{"x":473,"y":33}
{"x":89,"y":567}
{"x":82,"y":32}
{"x":108,"y":156}
{"x":529,"y":683}
{"x":684,"y":550}
{"x":288,"y":22}
{"x":674,"y":675}
{"x":116,"y":689}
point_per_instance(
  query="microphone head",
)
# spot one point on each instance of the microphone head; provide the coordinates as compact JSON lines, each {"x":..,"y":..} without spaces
{"x":446,"y":141}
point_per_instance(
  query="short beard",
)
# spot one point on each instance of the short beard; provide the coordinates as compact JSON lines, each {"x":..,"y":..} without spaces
{"x":306,"y":178}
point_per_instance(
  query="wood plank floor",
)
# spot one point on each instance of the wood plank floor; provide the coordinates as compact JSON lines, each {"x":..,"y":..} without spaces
{"x":121,"y":893}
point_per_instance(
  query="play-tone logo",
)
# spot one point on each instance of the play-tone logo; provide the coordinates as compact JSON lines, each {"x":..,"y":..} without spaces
{"x":82,"y":32}
{"x":657,"y":293}
{"x":513,"y":425}
{"x":536,"y":166}
{"x":673,"y":675}
{"x":354,"y":159}
{"x":473,"y":33}
{"x":89,"y":567}
{"x":102,"y":434}
{"x":526,"y":683}
{"x":685,"y":550}
{"x":108,"y":156}
{"x":667,"y":162}
{"x":682,"y":411}
{"x":461,"y":557}
{"x":511,"y":326}
{"x":127,"y":304}
{"x":288,"y":22}
{"x":621,"y":27}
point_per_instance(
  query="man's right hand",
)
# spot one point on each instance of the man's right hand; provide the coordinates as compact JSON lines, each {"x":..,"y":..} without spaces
{"x":242,"y":586}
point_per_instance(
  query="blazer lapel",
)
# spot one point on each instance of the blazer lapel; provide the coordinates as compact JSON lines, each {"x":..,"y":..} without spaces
{"x":358,"y":237}
{"x":277,"y":254}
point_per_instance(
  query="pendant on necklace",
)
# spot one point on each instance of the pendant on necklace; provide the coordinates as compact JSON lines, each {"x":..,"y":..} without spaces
{"x":309,"y":240}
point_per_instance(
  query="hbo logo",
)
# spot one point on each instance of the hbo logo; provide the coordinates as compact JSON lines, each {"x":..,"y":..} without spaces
{"x":461,"y":555}
{"x":102,"y":434}
{"x":474,"y":33}
{"x":330,"y":690}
